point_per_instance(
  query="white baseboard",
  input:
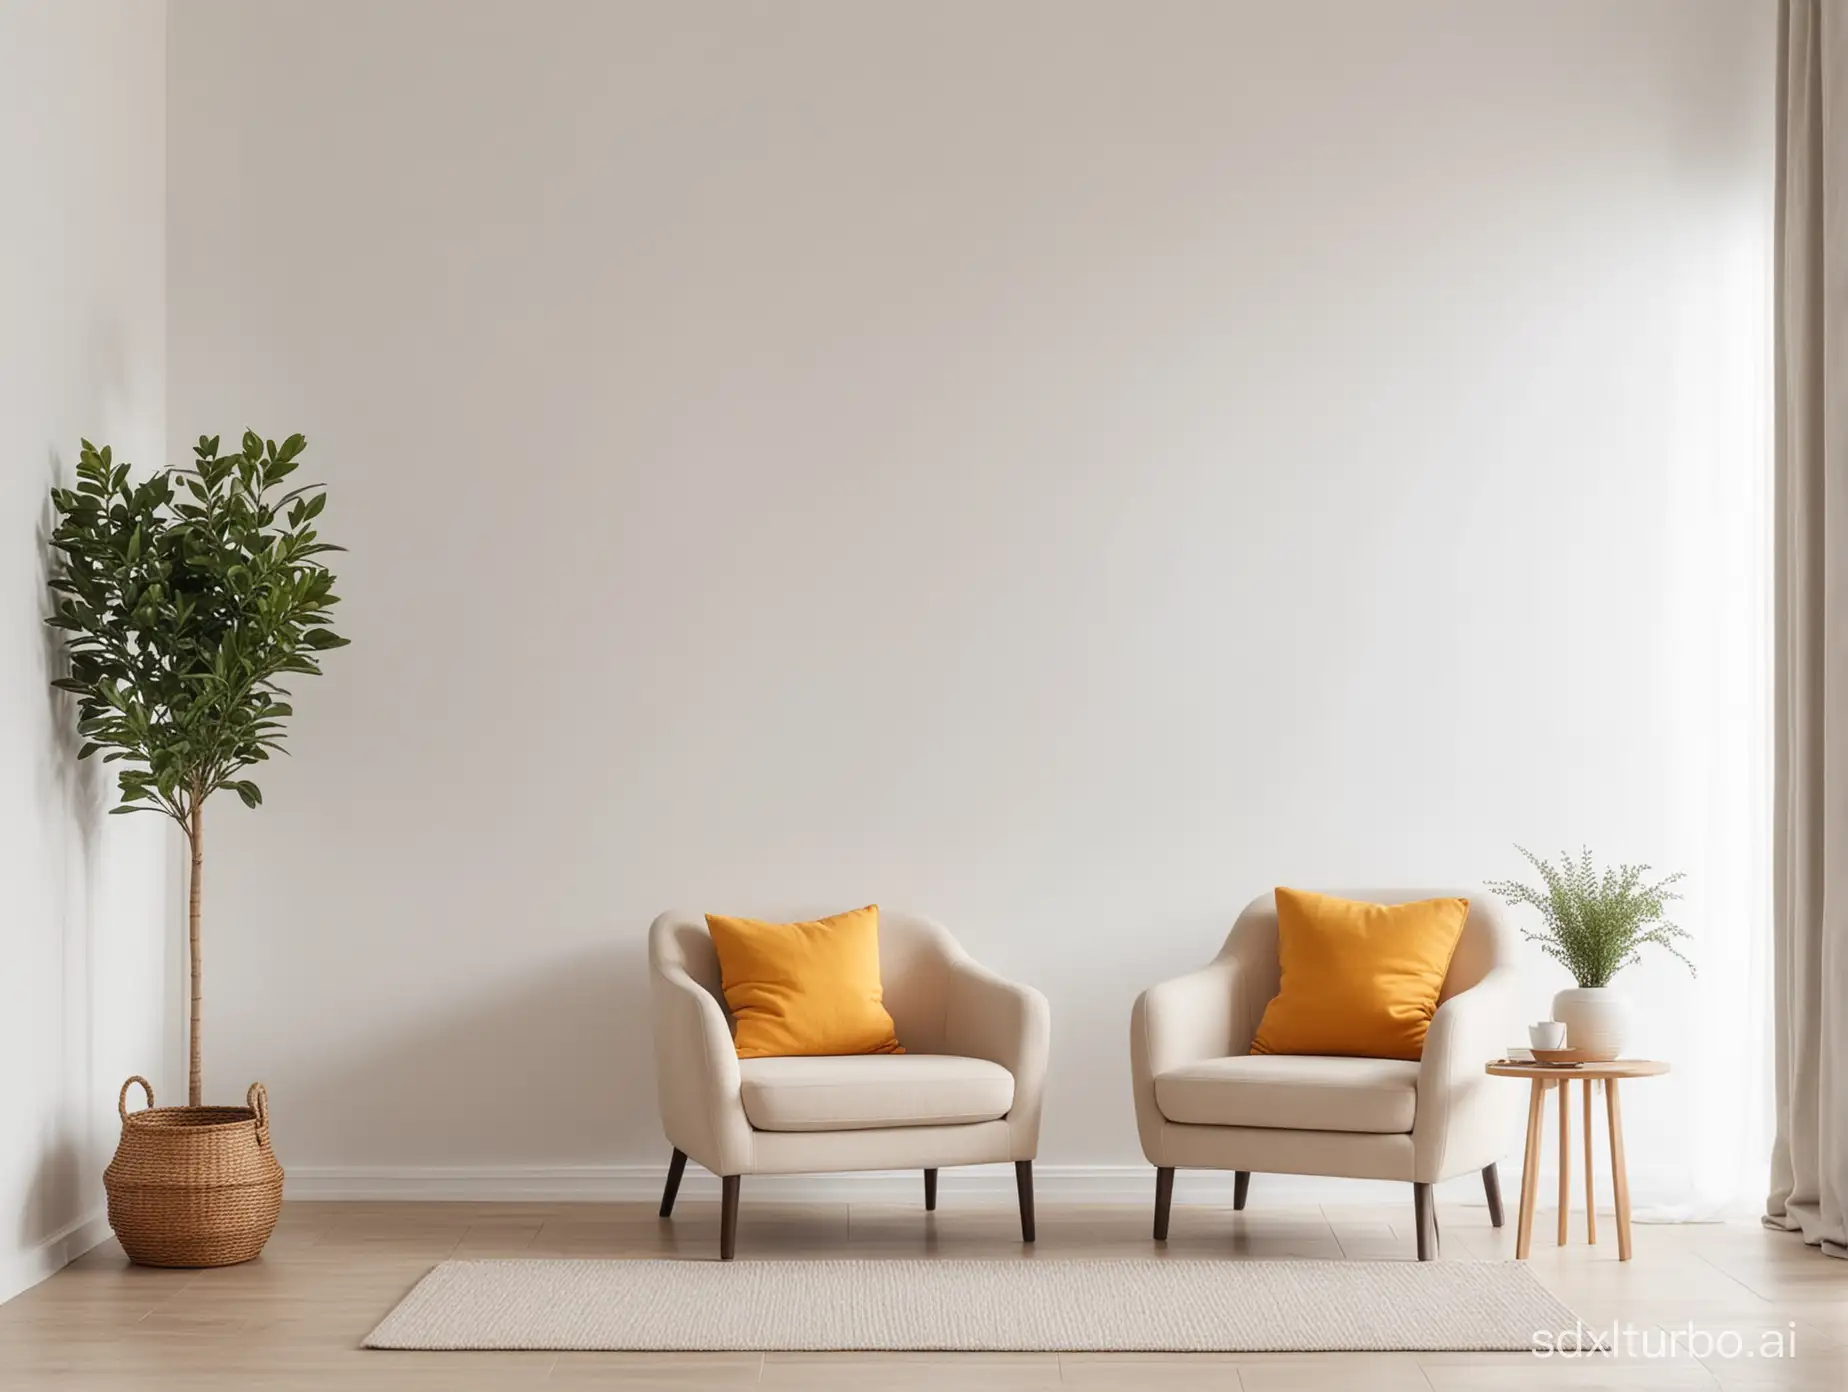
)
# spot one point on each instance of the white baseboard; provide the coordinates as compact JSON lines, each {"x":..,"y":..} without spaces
{"x":26,"y":1269}
{"x":1130,"y":1184}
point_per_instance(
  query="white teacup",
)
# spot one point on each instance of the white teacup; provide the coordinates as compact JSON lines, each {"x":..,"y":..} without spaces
{"x":1547,"y":1034}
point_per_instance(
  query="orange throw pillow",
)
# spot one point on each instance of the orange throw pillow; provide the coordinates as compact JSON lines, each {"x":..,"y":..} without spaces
{"x":804,"y":988}
{"x":1360,"y":980}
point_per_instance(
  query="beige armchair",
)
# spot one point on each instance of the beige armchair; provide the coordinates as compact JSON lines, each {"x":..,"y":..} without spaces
{"x":966,"y":1092}
{"x":1203,"y":1101}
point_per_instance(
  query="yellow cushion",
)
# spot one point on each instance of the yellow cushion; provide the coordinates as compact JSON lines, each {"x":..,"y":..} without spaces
{"x":804,"y":988}
{"x":1358,"y":979}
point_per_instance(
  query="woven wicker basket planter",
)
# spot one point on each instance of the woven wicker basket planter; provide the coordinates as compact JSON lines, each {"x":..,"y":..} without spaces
{"x":193,"y":1186}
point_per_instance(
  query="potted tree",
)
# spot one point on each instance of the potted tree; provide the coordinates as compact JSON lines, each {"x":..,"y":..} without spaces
{"x":185,"y":599}
{"x":1594,"y":925}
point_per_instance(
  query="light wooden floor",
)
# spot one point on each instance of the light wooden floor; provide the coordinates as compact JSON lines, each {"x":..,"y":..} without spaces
{"x":294,"y":1318}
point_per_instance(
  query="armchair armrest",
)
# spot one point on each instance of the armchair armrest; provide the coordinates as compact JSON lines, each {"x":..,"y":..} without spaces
{"x":989,"y":1017}
{"x":1190,"y":1018}
{"x":696,"y":1073}
{"x":1186,"y":1019}
{"x":1463,"y":1116}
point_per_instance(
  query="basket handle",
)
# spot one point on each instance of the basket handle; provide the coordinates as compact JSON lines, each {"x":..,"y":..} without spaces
{"x":257,"y":1099}
{"x":122,"y":1096}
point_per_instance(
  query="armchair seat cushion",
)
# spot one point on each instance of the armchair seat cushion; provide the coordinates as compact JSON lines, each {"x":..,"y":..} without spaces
{"x":1297,"y":1092}
{"x":865,"y":1092}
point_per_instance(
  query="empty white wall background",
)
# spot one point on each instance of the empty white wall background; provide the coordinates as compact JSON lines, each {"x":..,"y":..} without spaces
{"x":83,"y":983}
{"x":1064,"y":468}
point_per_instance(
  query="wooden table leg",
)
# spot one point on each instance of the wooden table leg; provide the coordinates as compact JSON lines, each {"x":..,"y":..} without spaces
{"x":1565,"y":1156}
{"x":1530,"y":1169}
{"x":1591,"y":1204}
{"x":1620,"y":1178}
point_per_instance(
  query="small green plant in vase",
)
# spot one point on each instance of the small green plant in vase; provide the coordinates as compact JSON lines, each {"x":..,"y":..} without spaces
{"x":1594,"y":924}
{"x":186,"y":599}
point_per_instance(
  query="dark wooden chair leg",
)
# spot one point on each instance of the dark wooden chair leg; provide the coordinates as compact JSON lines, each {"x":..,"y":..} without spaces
{"x":1164,"y":1200}
{"x":728,"y":1216}
{"x":930,"y":1191}
{"x":1491,"y":1187}
{"x":1023,"y":1181}
{"x":1241,"y":1186}
{"x":1424,"y":1207}
{"x":675,"y":1168}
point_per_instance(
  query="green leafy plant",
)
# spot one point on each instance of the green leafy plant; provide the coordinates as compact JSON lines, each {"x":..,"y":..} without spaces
{"x":184,"y":600}
{"x":1596,"y":924}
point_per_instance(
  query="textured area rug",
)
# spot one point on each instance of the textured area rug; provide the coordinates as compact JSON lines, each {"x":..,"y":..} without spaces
{"x":1177,"y":1306}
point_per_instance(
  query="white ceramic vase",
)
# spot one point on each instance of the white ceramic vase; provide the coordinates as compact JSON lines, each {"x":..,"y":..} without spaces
{"x":1597,"y":1020}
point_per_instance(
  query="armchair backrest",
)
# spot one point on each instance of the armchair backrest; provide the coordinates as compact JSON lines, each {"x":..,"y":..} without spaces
{"x":914,"y":958}
{"x":1487,"y":942}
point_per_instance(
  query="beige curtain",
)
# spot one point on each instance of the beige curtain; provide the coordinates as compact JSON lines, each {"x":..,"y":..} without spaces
{"x":1809,"y":1170}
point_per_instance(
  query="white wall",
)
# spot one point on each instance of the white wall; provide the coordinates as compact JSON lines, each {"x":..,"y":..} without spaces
{"x":1061,"y":467}
{"x":82,"y":353}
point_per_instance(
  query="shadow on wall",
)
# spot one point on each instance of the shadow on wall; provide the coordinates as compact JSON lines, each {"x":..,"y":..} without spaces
{"x":72,"y":797}
{"x":557,"y":1071}
{"x":55,"y":1199}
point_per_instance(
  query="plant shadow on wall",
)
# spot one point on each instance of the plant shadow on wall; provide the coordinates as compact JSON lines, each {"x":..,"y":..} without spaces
{"x":185,"y":599}
{"x":76,"y":790}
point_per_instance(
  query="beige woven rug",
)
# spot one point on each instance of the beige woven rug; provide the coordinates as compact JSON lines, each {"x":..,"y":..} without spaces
{"x":1047,"y":1304}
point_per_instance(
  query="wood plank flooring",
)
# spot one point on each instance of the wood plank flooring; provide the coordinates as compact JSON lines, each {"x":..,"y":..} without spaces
{"x":294,"y":1318}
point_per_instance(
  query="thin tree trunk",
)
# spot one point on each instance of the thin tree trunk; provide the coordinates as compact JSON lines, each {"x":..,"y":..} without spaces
{"x":195,"y":834}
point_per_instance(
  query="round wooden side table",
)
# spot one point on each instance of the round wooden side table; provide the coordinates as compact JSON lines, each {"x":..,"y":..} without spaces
{"x":1544,"y":1077}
